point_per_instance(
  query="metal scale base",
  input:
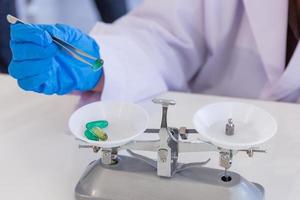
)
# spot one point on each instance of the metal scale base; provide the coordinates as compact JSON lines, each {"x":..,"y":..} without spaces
{"x":133,"y":179}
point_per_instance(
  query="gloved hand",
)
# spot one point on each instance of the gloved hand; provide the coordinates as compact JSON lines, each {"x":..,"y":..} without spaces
{"x":40,"y":65}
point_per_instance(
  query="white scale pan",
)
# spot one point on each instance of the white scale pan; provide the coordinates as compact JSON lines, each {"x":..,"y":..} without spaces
{"x":126,"y":122}
{"x":253,"y":125}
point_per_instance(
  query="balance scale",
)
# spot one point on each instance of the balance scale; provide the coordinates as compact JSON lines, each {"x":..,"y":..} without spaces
{"x":228,"y":128}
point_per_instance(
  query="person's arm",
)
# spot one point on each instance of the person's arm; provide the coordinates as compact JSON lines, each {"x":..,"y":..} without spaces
{"x":158,"y":46}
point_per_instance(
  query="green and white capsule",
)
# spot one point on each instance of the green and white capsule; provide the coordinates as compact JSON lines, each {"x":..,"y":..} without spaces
{"x":91,"y":136}
{"x":99,"y":133}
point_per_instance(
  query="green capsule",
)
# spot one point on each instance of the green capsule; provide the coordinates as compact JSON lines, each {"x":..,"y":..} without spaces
{"x":100,"y":124}
{"x":89,"y":135}
{"x":99,"y":133}
{"x":98,"y":64}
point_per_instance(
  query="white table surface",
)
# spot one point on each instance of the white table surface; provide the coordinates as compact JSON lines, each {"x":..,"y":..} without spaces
{"x":39,"y":159}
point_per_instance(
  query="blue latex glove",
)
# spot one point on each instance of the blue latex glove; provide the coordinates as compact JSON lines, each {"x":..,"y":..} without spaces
{"x":40,"y":65}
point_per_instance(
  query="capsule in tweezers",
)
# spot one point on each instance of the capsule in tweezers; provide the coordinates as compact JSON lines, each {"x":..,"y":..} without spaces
{"x":99,"y":133}
{"x":99,"y":123}
{"x":98,"y":64}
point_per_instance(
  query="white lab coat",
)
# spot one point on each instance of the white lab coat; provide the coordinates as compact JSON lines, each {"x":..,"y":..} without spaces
{"x":235,"y":48}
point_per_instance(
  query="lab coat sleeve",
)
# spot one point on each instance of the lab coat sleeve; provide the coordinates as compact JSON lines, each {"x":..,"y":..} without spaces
{"x":159,"y":46}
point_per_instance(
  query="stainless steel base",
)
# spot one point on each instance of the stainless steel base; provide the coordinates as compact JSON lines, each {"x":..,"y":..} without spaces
{"x":132,"y":179}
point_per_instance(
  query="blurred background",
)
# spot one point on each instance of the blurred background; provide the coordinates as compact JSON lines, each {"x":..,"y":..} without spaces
{"x":82,"y":14}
